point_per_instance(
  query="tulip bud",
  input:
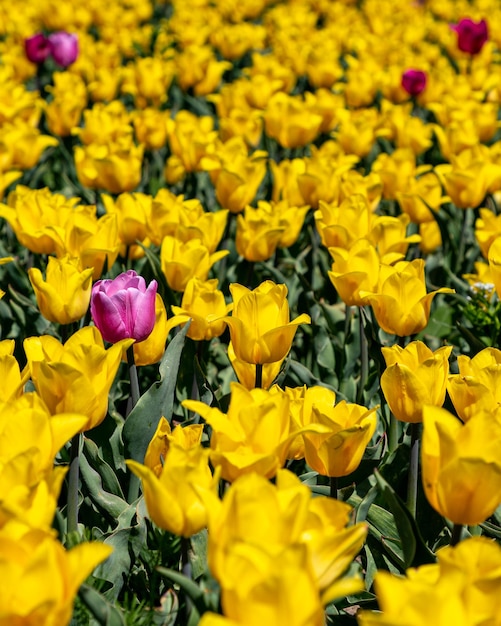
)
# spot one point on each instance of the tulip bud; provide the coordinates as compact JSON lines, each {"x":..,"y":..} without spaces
{"x":414,"y":82}
{"x":37,"y":48}
{"x":124,"y":308}
{"x":471,"y":35}
{"x":63,"y":47}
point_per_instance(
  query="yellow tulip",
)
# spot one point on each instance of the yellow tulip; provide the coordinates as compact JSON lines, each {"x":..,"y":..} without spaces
{"x":182,"y":261}
{"x":40,"y":579}
{"x":259,"y":326}
{"x":461,"y":587}
{"x":252,"y":437}
{"x":64,"y":295}
{"x":355,"y":270}
{"x":77,"y":376}
{"x":204,"y":303}
{"x":172,"y":491}
{"x":494,"y":258}
{"x":152,"y":348}
{"x":290,"y":120}
{"x":414,"y":377}
{"x":258,"y":234}
{"x":461,"y":464}
{"x":348,"y":428}
{"x":132,"y":211}
{"x":12,"y":378}
{"x":401,"y":304}
{"x":246,"y":372}
{"x":477,"y":387}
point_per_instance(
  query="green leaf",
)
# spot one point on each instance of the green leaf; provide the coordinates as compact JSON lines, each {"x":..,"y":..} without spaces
{"x":190,"y":588}
{"x":104,"y":612}
{"x":415,"y":551}
{"x":112,"y":504}
{"x":157,"y":402}
{"x":110,"y":481}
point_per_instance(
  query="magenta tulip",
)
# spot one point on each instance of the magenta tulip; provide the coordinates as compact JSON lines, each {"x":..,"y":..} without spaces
{"x":124,"y":308}
{"x":414,"y":82}
{"x":63,"y":47}
{"x":471,"y":35}
{"x":37,"y":48}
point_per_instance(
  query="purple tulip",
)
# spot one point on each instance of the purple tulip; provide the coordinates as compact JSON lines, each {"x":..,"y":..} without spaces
{"x":471,"y":35}
{"x":124,"y":307}
{"x":64,"y":47}
{"x":414,"y":82}
{"x":37,"y":48}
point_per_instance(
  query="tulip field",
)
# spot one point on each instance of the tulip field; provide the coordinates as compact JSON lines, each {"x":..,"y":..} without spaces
{"x":250,"y":313}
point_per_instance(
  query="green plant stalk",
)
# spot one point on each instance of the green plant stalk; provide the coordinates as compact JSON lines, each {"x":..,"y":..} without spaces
{"x":393,"y":433}
{"x":457,"y":531}
{"x":73,"y":479}
{"x":259,"y":376}
{"x":186,"y":571}
{"x":412,"y":483}
{"x":333,"y":487}
{"x":364,"y":358}
{"x":133,"y":492}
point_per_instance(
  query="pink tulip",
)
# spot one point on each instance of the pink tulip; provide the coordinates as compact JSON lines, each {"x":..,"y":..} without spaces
{"x":471,"y":35}
{"x":64,"y":47}
{"x":124,"y":307}
{"x":414,"y":81}
{"x":37,"y":48}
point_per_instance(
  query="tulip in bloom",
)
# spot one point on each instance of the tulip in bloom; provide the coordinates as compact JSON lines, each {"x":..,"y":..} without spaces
{"x":259,"y":326}
{"x":477,"y":387}
{"x":175,"y":474}
{"x":253,"y":436}
{"x":37,"y":48}
{"x":414,"y":377}
{"x":355,"y":270}
{"x":77,"y":376}
{"x":63,"y":47}
{"x":414,"y":82}
{"x":346,"y":431}
{"x":204,"y":303}
{"x":463,"y":584}
{"x":400,"y":303}
{"x":64,"y":295}
{"x":40,"y":579}
{"x":471,"y":36}
{"x":461,"y":464}
{"x":123,"y":307}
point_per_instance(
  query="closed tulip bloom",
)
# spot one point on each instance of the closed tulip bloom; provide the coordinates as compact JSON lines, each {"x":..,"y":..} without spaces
{"x":204,"y":303}
{"x":471,"y":36}
{"x":494,"y":257}
{"x":414,"y":82}
{"x":77,"y":376}
{"x":355,"y":270}
{"x":477,"y":387}
{"x":40,"y":579}
{"x":63,"y":47}
{"x":182,"y":261}
{"x":37,"y":48}
{"x":260,"y":326}
{"x":348,"y":428}
{"x":64,"y":295}
{"x":414,"y":377}
{"x":400,"y":303}
{"x":123,"y":307}
{"x":461,"y":464}
{"x":172,"y":487}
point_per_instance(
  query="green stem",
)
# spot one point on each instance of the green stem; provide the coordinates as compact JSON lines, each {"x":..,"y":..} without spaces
{"x":364,"y":358}
{"x":134,"y":381}
{"x":457,"y":531}
{"x":133,"y":492}
{"x":186,"y":570}
{"x":413,"y":469}
{"x":73,"y":480}
{"x":333,"y":487}
{"x":259,"y":376}
{"x":393,"y":434}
